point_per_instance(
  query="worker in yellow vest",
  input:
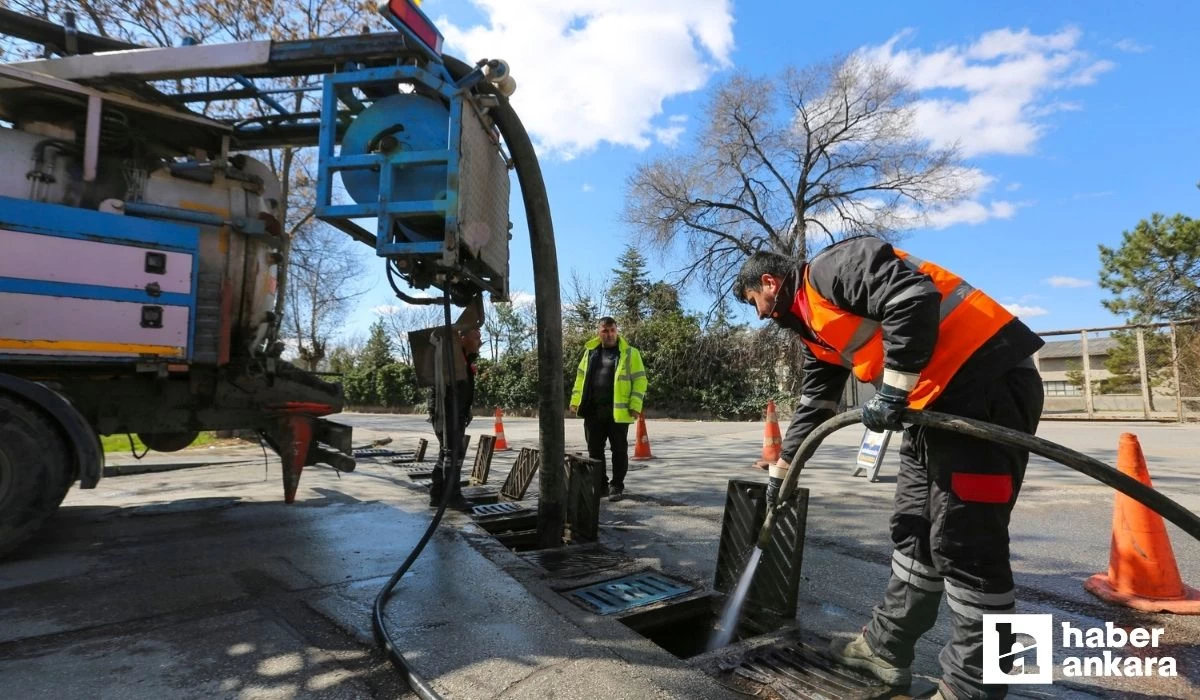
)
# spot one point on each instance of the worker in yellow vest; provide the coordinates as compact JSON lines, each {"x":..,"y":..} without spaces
{"x":610,"y":387}
{"x":925,"y":339}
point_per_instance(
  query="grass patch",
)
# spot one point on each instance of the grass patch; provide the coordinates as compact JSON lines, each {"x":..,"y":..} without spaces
{"x":120,"y":443}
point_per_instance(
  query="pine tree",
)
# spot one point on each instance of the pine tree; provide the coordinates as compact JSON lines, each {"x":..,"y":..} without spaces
{"x":378,"y":352}
{"x":627,"y":295}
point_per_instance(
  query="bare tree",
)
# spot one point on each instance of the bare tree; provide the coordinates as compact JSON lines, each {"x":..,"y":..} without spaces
{"x":783,"y":164}
{"x":325,"y":277}
{"x":399,"y":320}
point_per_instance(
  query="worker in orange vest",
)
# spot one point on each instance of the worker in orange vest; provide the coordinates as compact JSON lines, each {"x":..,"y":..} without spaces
{"x":925,"y":339}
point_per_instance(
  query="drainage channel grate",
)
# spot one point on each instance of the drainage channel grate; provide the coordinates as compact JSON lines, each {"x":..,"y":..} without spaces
{"x":796,"y":671}
{"x":497,"y":509}
{"x":364,"y":452}
{"x":569,"y":562}
{"x":627,"y":592}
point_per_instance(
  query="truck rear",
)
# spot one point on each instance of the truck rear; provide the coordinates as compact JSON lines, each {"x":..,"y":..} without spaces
{"x":140,"y":277}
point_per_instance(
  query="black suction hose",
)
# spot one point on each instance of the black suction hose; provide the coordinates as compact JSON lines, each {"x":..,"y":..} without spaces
{"x":549,"y":336}
{"x":1152,"y":499}
{"x":452,"y":439}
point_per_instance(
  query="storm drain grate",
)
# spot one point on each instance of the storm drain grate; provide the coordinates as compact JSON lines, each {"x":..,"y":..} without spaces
{"x":627,"y":592}
{"x":568,"y":562}
{"x":497,"y":509}
{"x":373,"y":452}
{"x":418,"y":456}
{"x":521,"y":474}
{"x":795,"y":671}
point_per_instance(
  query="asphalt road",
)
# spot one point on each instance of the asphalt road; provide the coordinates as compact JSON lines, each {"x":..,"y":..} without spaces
{"x":201,"y":583}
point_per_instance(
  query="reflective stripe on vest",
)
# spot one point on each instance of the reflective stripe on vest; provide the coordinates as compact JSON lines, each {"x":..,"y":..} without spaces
{"x":968,"y":318}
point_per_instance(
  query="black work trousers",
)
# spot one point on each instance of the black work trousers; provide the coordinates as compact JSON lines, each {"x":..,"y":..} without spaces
{"x":954,"y":495}
{"x":441,"y":428}
{"x":600,"y":430}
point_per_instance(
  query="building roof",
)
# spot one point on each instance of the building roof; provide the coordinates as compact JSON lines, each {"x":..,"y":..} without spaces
{"x":1074,"y":348}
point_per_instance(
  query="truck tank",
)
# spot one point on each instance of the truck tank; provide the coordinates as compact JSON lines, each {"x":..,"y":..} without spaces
{"x":237,"y":271}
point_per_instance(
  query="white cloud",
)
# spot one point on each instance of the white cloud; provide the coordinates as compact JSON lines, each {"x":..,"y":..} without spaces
{"x":521,"y":298}
{"x":1012,"y":187}
{"x":592,"y":71}
{"x":669,"y":136}
{"x":387,"y":309}
{"x":1025,"y":311}
{"x":1067,"y":282}
{"x":971,"y":212}
{"x":587,"y":187}
{"x":1092,"y":195}
{"x":1132,"y":46}
{"x":1000,"y":87}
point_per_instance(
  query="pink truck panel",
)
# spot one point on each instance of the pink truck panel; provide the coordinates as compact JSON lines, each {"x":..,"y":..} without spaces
{"x":34,"y":256}
{"x":32,"y":323}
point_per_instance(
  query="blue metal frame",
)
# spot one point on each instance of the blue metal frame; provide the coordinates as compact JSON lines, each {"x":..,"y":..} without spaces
{"x":87,"y":225}
{"x":387,"y":210}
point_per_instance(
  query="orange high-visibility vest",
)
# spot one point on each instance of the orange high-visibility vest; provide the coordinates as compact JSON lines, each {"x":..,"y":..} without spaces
{"x":969,"y":318}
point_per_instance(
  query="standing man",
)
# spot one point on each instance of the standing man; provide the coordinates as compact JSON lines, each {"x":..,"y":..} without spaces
{"x":610,"y":387}
{"x":467,"y":341}
{"x":925,"y":339}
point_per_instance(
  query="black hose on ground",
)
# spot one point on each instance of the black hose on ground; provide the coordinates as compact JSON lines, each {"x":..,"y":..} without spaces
{"x":1149,"y":497}
{"x":452,"y":439}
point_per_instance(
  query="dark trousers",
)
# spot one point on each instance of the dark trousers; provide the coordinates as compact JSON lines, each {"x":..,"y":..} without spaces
{"x":444,"y":468}
{"x":954,"y":495}
{"x":598,"y":430}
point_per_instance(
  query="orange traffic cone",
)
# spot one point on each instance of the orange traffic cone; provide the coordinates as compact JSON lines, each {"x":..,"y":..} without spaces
{"x":772,"y":440}
{"x":501,"y":443}
{"x":641,"y":450}
{"x":1142,"y":573}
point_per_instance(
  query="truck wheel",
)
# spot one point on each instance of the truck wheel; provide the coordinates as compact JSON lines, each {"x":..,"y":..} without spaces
{"x":34,"y":466}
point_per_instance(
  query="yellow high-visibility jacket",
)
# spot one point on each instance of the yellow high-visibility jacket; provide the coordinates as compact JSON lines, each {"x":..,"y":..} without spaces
{"x":629,"y":382}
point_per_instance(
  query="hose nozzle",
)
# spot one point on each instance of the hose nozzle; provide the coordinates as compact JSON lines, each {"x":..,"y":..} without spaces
{"x":768,"y":528}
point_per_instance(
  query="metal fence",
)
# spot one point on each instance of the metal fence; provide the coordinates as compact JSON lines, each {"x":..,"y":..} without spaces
{"x":1144,"y":372}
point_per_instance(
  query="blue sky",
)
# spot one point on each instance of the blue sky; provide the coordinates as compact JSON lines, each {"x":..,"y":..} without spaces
{"x":1078,"y":119}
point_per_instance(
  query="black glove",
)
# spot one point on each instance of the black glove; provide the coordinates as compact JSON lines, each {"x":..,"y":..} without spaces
{"x":882,"y":412}
{"x":773,"y":484}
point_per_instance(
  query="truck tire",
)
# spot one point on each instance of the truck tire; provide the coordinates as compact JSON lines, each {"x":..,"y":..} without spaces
{"x":35,"y":470}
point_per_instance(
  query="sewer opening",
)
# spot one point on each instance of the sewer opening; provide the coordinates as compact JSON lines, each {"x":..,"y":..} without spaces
{"x":685,"y":628}
{"x":519,"y":540}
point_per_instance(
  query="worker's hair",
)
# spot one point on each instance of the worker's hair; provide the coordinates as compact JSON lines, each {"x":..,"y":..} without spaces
{"x":749,"y":278}
{"x":606,"y":321}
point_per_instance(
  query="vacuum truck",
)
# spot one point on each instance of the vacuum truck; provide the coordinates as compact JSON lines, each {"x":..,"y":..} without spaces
{"x":141,"y":261}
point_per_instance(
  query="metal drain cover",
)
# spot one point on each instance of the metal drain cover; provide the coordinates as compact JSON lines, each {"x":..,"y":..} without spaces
{"x":373,"y":452}
{"x":795,"y":671}
{"x":497,"y":509}
{"x":568,"y":561}
{"x":627,"y":592}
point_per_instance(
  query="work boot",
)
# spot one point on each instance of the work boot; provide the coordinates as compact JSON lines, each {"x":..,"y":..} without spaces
{"x":616,"y":493}
{"x":859,"y":655}
{"x":457,"y":502}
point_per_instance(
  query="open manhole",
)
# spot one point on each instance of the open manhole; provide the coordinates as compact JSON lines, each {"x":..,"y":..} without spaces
{"x":568,"y":562}
{"x":793,"y":670}
{"x":519,"y":540}
{"x":628,"y":592}
{"x":684,"y":628}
